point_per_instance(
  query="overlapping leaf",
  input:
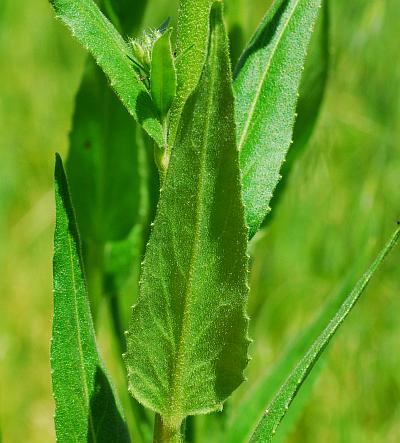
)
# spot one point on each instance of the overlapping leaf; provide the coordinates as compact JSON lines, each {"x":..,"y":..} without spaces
{"x":111,"y":52}
{"x":312,"y":91}
{"x":266,"y":85}
{"x":191,"y":47}
{"x":187,"y":341}
{"x":86,"y":409}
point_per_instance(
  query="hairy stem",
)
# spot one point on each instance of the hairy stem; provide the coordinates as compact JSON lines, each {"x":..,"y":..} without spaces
{"x":165,"y":432}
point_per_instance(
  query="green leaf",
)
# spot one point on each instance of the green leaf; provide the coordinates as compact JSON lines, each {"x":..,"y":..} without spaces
{"x":312,"y":91}
{"x":162,"y":74}
{"x":191,"y":48}
{"x":187,"y":341}
{"x":266,"y":84}
{"x":112,"y":53}
{"x":312,"y":87}
{"x":102,"y":165}
{"x":86,"y":409}
{"x":244,"y":418}
{"x":282,"y":401}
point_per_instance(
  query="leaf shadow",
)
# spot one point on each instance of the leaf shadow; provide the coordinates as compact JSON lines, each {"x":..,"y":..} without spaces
{"x":264,"y":34}
{"x":105,"y":423}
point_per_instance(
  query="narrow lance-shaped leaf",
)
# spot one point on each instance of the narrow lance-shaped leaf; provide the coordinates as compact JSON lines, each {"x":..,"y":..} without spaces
{"x":162,"y":74}
{"x":312,"y":91}
{"x":111,"y":52}
{"x":86,"y":409}
{"x":266,"y":84}
{"x":245,"y":416}
{"x":281,"y":403}
{"x":187,"y":341}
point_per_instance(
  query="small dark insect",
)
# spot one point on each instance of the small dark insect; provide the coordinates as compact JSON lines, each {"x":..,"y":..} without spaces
{"x":398,"y":222}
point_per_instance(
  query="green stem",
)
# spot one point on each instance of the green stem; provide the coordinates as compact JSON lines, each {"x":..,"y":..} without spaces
{"x":165,"y":432}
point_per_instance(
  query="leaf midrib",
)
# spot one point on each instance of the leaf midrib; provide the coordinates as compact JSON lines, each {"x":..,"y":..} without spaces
{"x":177,"y":374}
{"x":80,"y":348}
{"x":245,"y":132}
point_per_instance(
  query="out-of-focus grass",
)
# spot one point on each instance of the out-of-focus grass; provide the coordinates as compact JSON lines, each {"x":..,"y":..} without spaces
{"x":341,"y":204}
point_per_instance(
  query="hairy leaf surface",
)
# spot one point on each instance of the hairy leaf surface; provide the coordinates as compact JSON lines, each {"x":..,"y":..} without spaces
{"x":187,"y":341}
{"x":266,"y":84}
{"x":282,"y":401}
{"x":312,"y":91}
{"x":86,"y":409}
{"x":191,"y":48}
{"x":111,"y":52}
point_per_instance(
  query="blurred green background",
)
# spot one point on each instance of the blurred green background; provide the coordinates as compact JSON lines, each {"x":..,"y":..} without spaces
{"x":341,"y":204}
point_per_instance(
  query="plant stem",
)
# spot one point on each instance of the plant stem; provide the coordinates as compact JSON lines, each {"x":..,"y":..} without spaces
{"x":165,"y":432}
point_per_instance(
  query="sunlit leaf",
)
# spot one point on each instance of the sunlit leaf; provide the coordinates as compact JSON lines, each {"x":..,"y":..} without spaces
{"x":266,"y":85}
{"x":312,"y":91}
{"x":86,"y":409}
{"x":187,"y":341}
{"x":112,"y":53}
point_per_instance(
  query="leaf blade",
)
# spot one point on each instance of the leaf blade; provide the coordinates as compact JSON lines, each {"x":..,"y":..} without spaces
{"x":191,"y":307}
{"x":266,"y":83}
{"x":162,"y":74}
{"x":111,"y":52}
{"x":244,"y":418}
{"x":86,"y":409}
{"x":312,"y":91}
{"x":281,"y":403}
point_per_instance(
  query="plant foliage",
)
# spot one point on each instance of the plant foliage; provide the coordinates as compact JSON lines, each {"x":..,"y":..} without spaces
{"x":175,"y":195}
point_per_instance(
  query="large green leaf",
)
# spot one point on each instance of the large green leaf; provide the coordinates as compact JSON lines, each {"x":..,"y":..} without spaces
{"x":111,"y":52}
{"x":266,"y":85}
{"x":283,"y":399}
{"x":86,"y":409}
{"x":187,"y":341}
